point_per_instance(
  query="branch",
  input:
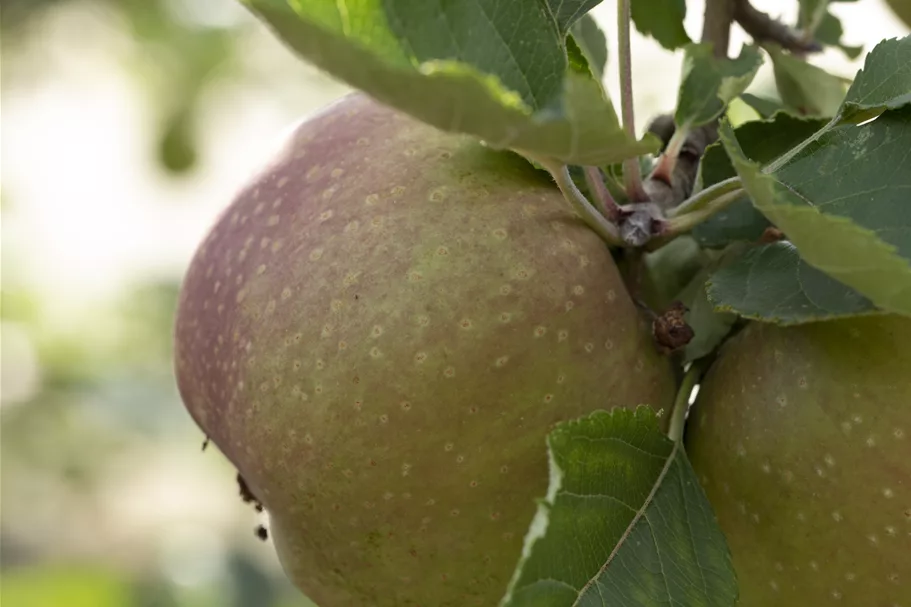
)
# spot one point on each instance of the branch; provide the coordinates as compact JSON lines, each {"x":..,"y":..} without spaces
{"x":763,"y":28}
{"x":716,"y":25}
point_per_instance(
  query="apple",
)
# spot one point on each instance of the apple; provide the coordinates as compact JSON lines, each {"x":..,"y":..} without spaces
{"x":801,"y":438}
{"x":379,"y":332}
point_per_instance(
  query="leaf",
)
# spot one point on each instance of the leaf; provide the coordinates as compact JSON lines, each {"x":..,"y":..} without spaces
{"x":498,"y":71}
{"x":593,"y":44}
{"x":710,"y":326}
{"x":830,"y":32}
{"x":844,"y":201}
{"x":764,"y":106}
{"x":565,"y":12}
{"x":810,"y":90}
{"x":709,"y":83}
{"x":662,"y":20}
{"x":625,"y":522}
{"x":42,"y":585}
{"x":669,"y":269}
{"x":814,"y":16}
{"x":761,"y":141}
{"x":811,"y":12}
{"x":772,"y":283}
{"x":902,"y":10}
{"x":883,"y":83}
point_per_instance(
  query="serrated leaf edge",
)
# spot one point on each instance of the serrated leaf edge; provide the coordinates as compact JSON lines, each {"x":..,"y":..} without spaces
{"x":754,"y":177}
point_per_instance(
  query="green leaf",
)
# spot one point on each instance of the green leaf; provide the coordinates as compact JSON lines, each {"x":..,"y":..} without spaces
{"x":762,"y":141}
{"x":62,"y":584}
{"x":883,"y":83}
{"x":668,"y":270}
{"x":710,"y":326}
{"x":764,"y":106}
{"x":772,"y":283}
{"x":808,"y":89}
{"x":830,"y":32}
{"x":811,"y":12}
{"x":844,"y":201}
{"x":625,"y":522}
{"x":814,"y":16}
{"x":902,"y":10}
{"x":592,"y":43}
{"x":565,"y":12}
{"x":498,"y":71}
{"x":709,"y":83}
{"x":662,"y":20}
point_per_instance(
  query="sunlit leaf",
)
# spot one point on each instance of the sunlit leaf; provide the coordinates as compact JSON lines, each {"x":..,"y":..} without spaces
{"x":709,"y":83}
{"x":77,"y":586}
{"x":495,"y":70}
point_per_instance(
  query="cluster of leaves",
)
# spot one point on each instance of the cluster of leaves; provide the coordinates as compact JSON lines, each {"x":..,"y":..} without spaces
{"x":825,"y":169}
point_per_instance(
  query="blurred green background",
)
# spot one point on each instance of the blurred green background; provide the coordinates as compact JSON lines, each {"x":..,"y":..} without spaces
{"x":126,"y":126}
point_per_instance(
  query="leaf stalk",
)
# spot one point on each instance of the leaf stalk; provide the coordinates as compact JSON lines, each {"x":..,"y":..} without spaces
{"x":608,"y":232}
{"x":595,"y":182}
{"x":682,"y":400}
{"x":684,"y":223}
{"x":632,"y":173}
{"x":705,"y":197}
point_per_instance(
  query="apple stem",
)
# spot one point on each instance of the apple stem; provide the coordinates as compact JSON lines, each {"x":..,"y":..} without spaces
{"x":608,"y":232}
{"x":632,"y":174}
{"x":682,"y":400}
{"x":595,"y":181}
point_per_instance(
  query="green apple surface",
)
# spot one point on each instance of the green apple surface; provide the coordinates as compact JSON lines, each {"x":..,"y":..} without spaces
{"x":801,"y":437}
{"x":379,"y":332}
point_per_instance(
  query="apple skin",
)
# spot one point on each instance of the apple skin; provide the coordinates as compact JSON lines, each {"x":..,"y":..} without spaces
{"x":379,"y":332}
{"x":801,"y":438}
